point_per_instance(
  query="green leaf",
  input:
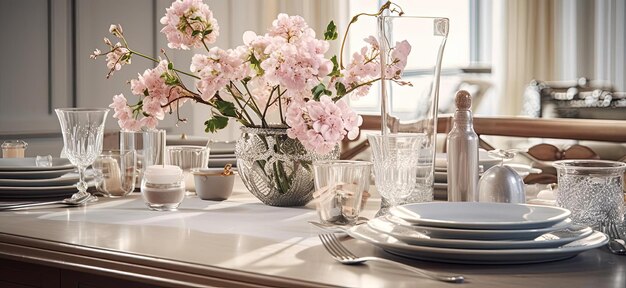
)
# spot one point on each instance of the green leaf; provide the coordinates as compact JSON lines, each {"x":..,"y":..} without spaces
{"x":170,"y":66}
{"x":341,"y":89}
{"x":170,"y":80}
{"x":195,"y":33}
{"x":331,"y":31}
{"x":317,"y":91}
{"x":226,"y":108}
{"x":216,"y":123}
{"x":335,"y":72}
{"x":255,"y":64}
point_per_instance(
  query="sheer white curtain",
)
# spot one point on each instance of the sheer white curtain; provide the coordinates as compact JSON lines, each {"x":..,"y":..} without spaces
{"x":556,"y":40}
{"x":238,"y":16}
{"x":523,"y":39}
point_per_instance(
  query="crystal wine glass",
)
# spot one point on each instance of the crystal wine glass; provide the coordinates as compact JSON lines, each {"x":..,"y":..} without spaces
{"x":82,"y":138}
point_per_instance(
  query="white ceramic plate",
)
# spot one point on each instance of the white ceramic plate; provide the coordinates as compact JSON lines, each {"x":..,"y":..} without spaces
{"x":34,"y":174}
{"x":523,"y":170}
{"x":64,"y":180}
{"x":441,"y":176}
{"x":479,"y":234}
{"x":36,"y":192}
{"x":413,"y":237}
{"x":29,"y":164}
{"x":477,"y":256}
{"x":20,"y":190}
{"x":441,"y":160}
{"x":215,"y":162}
{"x":480,"y":215}
{"x":221,"y":147}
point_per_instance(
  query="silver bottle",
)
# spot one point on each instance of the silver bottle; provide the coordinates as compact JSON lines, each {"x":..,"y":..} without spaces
{"x":462,"y":153}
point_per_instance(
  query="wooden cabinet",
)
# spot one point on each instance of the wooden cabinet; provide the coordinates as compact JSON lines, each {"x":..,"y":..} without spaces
{"x":46,"y":65}
{"x":15,"y":274}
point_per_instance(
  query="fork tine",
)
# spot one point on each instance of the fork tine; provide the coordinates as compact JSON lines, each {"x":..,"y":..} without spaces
{"x":330,"y":247}
{"x":341,"y":247}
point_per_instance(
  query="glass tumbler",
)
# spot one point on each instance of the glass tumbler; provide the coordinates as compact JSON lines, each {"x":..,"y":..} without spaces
{"x":116,"y":172}
{"x":149,"y":147}
{"x":339,"y":188}
{"x":593,"y":190}
{"x":188,"y":158}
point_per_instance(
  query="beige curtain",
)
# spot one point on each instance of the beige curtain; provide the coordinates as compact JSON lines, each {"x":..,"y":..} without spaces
{"x":523,"y":48}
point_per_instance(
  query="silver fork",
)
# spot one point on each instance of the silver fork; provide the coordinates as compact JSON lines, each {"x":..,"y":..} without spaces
{"x":344,"y":256}
{"x":616,"y":244}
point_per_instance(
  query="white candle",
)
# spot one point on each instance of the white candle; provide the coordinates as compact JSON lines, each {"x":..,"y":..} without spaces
{"x":163,"y":187}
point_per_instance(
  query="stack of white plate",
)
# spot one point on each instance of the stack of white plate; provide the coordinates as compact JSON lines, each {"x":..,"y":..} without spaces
{"x":21,"y":178}
{"x":479,"y":233}
{"x":222,"y":153}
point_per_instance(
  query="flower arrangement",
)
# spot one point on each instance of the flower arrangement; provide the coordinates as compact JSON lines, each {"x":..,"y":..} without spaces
{"x":279,"y":79}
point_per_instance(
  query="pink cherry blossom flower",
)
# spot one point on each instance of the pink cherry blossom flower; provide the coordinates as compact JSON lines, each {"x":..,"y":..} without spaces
{"x":291,"y":28}
{"x":130,"y":124}
{"x":398,"y":61}
{"x":293,"y":65}
{"x":321,"y":125}
{"x":149,"y":122}
{"x":364,"y":67}
{"x":115,"y":58}
{"x":218,"y":68}
{"x":189,"y":23}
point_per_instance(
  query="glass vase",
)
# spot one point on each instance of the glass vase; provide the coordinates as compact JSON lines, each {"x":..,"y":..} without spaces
{"x":412,"y":108}
{"x":275,"y":168}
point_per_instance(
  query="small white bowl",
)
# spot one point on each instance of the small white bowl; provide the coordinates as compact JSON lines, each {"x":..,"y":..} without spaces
{"x":211,"y":184}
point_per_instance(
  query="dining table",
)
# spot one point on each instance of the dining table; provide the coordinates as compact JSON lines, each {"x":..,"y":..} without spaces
{"x":238,"y":242}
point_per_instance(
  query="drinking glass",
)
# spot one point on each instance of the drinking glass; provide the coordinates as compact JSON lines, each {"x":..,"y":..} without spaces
{"x":149,"y":147}
{"x":593,"y":190}
{"x":339,"y":188}
{"x":403,"y":168}
{"x":116,"y":172}
{"x":82,"y":130}
{"x":188,"y":158}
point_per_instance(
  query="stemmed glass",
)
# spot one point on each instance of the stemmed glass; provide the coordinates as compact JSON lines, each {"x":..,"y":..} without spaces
{"x":82,"y":139}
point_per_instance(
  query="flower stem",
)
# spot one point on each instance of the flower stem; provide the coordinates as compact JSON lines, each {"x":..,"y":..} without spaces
{"x":382,"y":9}
{"x":230,"y":90}
{"x":157,"y":61}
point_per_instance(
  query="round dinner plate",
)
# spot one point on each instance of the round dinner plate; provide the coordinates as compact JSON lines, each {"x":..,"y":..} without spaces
{"x":36,"y":192}
{"x":64,"y":180}
{"x":480,"y":234}
{"x":29,"y":164}
{"x":441,"y":160}
{"x":411,"y":236}
{"x":477,"y":256}
{"x":34,"y":174}
{"x":480,"y":215}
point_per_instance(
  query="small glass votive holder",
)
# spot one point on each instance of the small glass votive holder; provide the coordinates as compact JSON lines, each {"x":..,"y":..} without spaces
{"x":162,"y":187}
{"x":13,"y":149}
{"x":43,"y":161}
{"x":188,"y":158}
{"x":593,"y":190}
{"x":115,"y":173}
{"x":339,"y":189}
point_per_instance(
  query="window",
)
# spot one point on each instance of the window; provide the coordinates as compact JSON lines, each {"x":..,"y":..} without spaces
{"x":463,"y":47}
